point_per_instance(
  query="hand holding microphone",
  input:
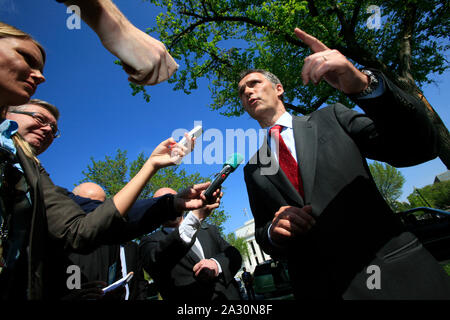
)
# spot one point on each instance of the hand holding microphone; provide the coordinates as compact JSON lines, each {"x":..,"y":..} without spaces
{"x":229,"y":166}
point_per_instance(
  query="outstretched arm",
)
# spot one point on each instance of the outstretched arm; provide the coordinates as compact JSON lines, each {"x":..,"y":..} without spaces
{"x":164,"y":155}
{"x":144,"y":58}
{"x":395,"y":127}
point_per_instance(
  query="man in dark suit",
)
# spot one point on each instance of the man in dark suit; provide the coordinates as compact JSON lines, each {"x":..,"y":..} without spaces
{"x":322,"y":210}
{"x":189,"y":260}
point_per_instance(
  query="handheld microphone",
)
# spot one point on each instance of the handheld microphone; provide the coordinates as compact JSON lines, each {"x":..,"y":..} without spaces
{"x":228,"y":167}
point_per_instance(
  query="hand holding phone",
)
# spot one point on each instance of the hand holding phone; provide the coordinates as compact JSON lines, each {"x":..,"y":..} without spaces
{"x":194,"y":133}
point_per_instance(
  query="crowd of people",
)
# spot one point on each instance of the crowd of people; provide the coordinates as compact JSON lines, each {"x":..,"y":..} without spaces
{"x":321,"y":210}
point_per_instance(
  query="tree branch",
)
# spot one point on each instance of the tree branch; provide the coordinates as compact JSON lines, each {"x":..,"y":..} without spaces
{"x":353,"y":50}
{"x":408,"y":22}
{"x":205,"y":10}
{"x":290,"y":39}
{"x":298,"y":109}
{"x":312,"y":8}
{"x":306,"y":110}
{"x":354,"y":19}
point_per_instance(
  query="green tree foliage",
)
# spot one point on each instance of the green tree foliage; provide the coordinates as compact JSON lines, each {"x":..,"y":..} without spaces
{"x":113,"y":173}
{"x":389,"y":181}
{"x":447,"y":268}
{"x":216,"y":39}
{"x":239,"y":243}
{"x":436,"y":195}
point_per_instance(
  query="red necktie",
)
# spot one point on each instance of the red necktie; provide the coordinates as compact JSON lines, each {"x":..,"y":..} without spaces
{"x":287,"y":161}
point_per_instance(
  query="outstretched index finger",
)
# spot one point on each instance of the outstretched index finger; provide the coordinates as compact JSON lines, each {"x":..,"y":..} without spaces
{"x":313,"y":43}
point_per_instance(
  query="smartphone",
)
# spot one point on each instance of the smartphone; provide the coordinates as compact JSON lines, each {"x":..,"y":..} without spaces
{"x":194,"y":133}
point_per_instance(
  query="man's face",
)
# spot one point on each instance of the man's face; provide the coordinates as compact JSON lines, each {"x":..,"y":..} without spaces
{"x":21,"y":66}
{"x":38,"y":136}
{"x":259,"y":97}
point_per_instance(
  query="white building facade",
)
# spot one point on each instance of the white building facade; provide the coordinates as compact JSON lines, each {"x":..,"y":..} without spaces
{"x":256,"y":255}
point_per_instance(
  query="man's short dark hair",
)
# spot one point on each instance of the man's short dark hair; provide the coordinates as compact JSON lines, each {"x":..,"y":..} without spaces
{"x":267,"y":74}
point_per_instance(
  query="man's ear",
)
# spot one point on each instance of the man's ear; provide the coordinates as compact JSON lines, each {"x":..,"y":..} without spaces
{"x":280,"y":90}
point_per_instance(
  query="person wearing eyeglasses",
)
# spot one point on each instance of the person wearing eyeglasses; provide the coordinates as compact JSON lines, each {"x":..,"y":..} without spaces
{"x":38,"y":123}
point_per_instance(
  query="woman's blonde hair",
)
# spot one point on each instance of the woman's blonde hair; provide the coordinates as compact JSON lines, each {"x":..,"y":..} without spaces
{"x":7,"y":31}
{"x":19,"y":142}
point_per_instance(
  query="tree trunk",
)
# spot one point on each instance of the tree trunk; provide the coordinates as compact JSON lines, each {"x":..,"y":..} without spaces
{"x":442,"y":131}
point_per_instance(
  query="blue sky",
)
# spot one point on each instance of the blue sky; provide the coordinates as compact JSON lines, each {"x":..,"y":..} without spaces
{"x":99,"y":114}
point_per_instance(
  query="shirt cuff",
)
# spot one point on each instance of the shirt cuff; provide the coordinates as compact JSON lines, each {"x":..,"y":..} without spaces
{"x":218,"y":264}
{"x":189,"y":227}
{"x":270,"y":239}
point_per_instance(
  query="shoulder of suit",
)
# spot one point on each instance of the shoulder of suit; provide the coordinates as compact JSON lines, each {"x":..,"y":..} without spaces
{"x":327,"y":108}
{"x":325,"y":111}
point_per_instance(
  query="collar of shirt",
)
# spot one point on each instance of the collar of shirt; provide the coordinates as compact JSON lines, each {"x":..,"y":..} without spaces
{"x":287,"y":134}
{"x":285,"y":120}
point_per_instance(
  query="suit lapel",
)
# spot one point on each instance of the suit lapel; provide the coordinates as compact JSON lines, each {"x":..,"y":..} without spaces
{"x":279,"y":179}
{"x":305,"y":136}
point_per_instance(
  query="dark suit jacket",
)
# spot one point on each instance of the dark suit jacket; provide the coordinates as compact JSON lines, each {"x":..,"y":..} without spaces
{"x":354,"y":223}
{"x":169,"y":261}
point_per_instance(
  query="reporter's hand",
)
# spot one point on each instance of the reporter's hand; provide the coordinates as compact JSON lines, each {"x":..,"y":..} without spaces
{"x":188,"y":147}
{"x":330,"y":65}
{"x":143,"y":58}
{"x":191,"y":198}
{"x":205,"y":211}
{"x":290,"y":222}
{"x":206,"y":270}
{"x":167,"y":153}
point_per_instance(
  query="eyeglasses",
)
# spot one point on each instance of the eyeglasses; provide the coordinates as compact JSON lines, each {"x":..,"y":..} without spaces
{"x":42,"y":120}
